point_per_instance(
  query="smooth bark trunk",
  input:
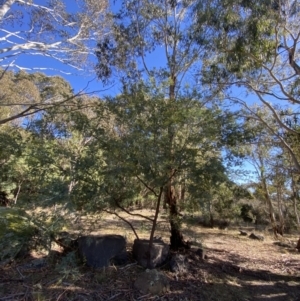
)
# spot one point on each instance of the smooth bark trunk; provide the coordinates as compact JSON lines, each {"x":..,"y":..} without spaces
{"x":272,"y":215}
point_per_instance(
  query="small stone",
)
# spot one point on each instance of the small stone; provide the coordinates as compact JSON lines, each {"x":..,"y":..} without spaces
{"x":179,"y":264}
{"x":38,"y":263}
{"x":152,"y":282}
{"x":257,"y":237}
{"x":158,"y":254}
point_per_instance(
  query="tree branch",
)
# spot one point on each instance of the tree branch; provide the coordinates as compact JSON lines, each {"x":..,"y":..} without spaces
{"x":147,"y":186}
{"x":284,"y":143}
{"x":130,"y":213}
{"x":123,"y":219}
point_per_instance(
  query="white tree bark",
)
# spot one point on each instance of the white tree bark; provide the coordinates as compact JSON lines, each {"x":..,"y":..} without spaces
{"x":64,"y":31}
{"x":4,"y":8}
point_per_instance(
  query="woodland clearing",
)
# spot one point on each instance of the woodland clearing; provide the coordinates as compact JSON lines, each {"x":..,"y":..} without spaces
{"x":235,"y":268}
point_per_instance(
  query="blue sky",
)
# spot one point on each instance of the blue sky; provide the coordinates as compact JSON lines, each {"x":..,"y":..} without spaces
{"x":78,"y":79}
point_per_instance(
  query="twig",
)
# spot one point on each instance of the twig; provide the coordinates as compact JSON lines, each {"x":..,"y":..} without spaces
{"x":28,"y":290}
{"x":22,"y":276}
{"x":142,"y":297}
{"x":60,"y":295}
{"x":12,"y":296}
{"x":147,"y":186}
{"x":114,"y":296}
{"x":127,"y":266}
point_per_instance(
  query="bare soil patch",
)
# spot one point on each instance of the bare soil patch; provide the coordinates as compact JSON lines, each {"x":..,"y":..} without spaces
{"x":236,"y":268}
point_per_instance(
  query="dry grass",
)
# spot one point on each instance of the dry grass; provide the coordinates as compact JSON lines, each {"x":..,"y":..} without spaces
{"x":236,"y":268}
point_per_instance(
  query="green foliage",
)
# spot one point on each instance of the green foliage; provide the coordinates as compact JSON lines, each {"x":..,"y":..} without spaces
{"x":10,"y":154}
{"x":21,"y":232}
{"x":138,"y":151}
{"x":68,"y":268}
{"x":16,"y":231}
{"x":25,"y":94}
{"x":160,"y":132}
{"x":244,"y":32}
{"x":246,"y":213}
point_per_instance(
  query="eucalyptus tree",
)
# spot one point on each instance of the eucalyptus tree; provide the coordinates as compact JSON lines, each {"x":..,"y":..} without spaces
{"x":10,"y":152}
{"x":23,"y":94}
{"x":213,"y":192}
{"x":49,"y":36}
{"x":261,"y":158}
{"x":153,"y":45}
{"x":255,"y":59}
{"x":44,"y":154}
{"x":64,"y":32}
{"x":62,"y":156}
{"x":274,"y":172}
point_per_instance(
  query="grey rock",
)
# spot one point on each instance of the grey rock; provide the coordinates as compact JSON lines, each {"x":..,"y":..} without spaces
{"x":158,"y":254}
{"x":256,"y":236}
{"x":35,"y":264}
{"x":282,"y":244}
{"x":152,"y":282}
{"x":99,"y":251}
{"x":179,"y":264}
{"x":39,"y":262}
{"x":120,"y":259}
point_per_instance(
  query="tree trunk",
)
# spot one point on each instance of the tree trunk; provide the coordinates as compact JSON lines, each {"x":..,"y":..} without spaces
{"x":295,"y":202}
{"x":298,"y":245}
{"x":271,"y":207}
{"x":211,"y":216}
{"x":17,"y":192}
{"x":280,"y":226}
{"x":176,"y":239}
{"x":182,"y":195}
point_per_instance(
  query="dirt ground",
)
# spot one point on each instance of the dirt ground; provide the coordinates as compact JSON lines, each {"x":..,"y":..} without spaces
{"x":236,"y":268}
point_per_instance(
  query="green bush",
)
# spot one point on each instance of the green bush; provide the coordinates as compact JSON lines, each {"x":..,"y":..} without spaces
{"x":16,"y":231}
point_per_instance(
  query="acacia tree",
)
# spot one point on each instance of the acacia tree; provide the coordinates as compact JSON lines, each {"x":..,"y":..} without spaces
{"x":142,"y":30}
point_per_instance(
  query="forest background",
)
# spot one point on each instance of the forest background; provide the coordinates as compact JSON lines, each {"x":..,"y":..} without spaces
{"x":186,"y":93}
